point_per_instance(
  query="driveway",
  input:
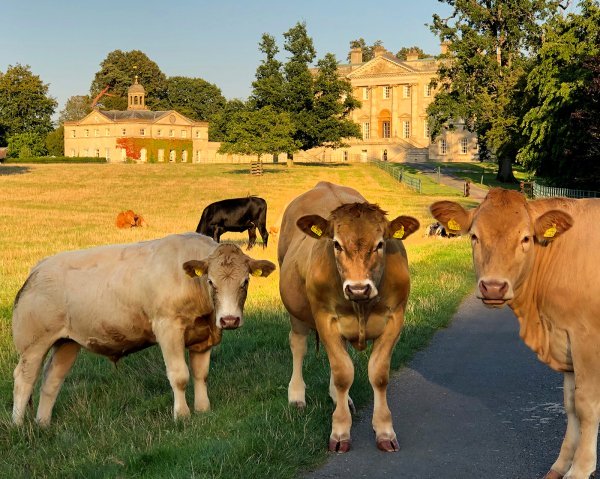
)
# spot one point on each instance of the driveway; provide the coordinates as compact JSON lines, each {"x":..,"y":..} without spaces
{"x":475,"y":404}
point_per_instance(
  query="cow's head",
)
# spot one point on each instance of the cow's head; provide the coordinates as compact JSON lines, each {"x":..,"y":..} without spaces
{"x":226,"y":272}
{"x":505,"y":233}
{"x":357,"y":233}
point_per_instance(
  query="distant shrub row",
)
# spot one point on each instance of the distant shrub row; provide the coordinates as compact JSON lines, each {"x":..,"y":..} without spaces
{"x":56,"y":159}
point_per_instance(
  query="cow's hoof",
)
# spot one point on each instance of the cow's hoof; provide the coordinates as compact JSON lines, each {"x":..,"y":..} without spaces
{"x":388,"y":445}
{"x":553,"y":475}
{"x":298,"y":404}
{"x":339,"y":446}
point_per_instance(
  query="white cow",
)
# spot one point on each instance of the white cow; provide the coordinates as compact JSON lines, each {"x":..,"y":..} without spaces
{"x":178,"y":292}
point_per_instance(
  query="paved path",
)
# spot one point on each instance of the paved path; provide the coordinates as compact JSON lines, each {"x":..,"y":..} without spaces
{"x":475,"y":404}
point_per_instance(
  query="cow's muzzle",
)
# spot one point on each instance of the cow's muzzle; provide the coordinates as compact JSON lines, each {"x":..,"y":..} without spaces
{"x":229,"y":322}
{"x":358,"y":292}
{"x":493,"y":292}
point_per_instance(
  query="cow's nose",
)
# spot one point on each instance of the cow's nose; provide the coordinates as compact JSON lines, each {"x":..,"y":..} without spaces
{"x":229,"y":322}
{"x":493,"y":289}
{"x":358,"y":292}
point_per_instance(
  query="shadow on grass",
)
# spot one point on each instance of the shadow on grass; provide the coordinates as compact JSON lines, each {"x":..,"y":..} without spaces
{"x":13,"y":170}
{"x":266,"y":171}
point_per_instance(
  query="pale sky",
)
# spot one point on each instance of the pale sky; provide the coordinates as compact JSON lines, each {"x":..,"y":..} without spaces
{"x":64,"y":41}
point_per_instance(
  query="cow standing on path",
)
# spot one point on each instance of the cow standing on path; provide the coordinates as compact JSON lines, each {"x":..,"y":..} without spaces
{"x":178,"y":292}
{"x":534,"y":257}
{"x":347,"y":277}
{"x":235,"y":214}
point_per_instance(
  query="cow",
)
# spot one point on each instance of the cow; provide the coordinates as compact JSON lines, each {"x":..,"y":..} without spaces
{"x":532,"y":257}
{"x":344,"y":273}
{"x":179,"y":292}
{"x":235,"y":214}
{"x":129,"y":219}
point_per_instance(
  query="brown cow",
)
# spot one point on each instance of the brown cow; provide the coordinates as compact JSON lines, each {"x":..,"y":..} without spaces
{"x":129,"y":219}
{"x":532,"y":256}
{"x":347,"y":277}
{"x":178,"y":292}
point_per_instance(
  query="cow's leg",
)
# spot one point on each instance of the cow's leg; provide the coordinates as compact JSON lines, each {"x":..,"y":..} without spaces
{"x":298,"y":336}
{"x":569,"y":445}
{"x":342,"y":371}
{"x":170,"y":339}
{"x":251,"y":236}
{"x":333,"y":392}
{"x":586,"y":356}
{"x":59,"y":364}
{"x":264,"y":234}
{"x":25,"y":376}
{"x":200,"y":362}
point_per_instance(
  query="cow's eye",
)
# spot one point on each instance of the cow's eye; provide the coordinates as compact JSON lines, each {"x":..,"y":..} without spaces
{"x":379,"y":246}
{"x":337,"y":246}
{"x":526,"y":240}
{"x":211,"y":284}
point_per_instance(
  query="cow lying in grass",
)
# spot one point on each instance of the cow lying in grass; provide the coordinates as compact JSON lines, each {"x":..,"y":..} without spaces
{"x":178,"y":292}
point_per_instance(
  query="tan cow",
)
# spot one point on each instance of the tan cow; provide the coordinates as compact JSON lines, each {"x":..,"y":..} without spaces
{"x":344,"y":272}
{"x":178,"y":292}
{"x":534,"y":257}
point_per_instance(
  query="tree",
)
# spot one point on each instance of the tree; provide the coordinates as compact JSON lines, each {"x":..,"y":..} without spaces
{"x":25,"y":106}
{"x":76,"y":107}
{"x":401,"y":54}
{"x":26,"y":145}
{"x":194,"y":97}
{"x":268,"y":87}
{"x":367,"y":50}
{"x":488,"y":46}
{"x":118,"y":71}
{"x":562,"y":123}
{"x":219,"y":122}
{"x":55,"y":142}
{"x":259,"y":132}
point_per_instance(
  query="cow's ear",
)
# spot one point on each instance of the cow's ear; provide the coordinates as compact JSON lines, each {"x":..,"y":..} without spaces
{"x":551,"y":225}
{"x":452,"y":215}
{"x":260,"y":267}
{"x":195,"y":268}
{"x":314,"y":226}
{"x":402,"y":227}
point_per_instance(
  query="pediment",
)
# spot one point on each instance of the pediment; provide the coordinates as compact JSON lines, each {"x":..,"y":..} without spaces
{"x":93,"y":118}
{"x":380,"y":66}
{"x":174,"y":118}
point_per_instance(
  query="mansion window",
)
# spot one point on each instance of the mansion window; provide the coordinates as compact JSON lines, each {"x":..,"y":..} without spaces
{"x":86,"y":133}
{"x":365,"y":93}
{"x":464,"y":146}
{"x":72,"y":133}
{"x":428,"y":89}
{"x":197,"y":133}
{"x":159,"y":132}
{"x":426,"y":132}
{"x":171,"y":133}
{"x":387,"y":92}
{"x":183,"y":134}
{"x":386,"y":129}
{"x":123,"y":131}
{"x":143,"y":131}
{"x":366,"y":130}
{"x":406,"y":91}
{"x":443,"y":147}
{"x":406,"y":129}
{"x":107,"y":132}
{"x":96,"y":132}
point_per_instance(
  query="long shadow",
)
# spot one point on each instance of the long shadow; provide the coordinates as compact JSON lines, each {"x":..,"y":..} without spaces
{"x":266,"y":171}
{"x":13,"y":170}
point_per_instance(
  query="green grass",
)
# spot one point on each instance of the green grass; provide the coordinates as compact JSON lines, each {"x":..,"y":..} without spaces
{"x":483,"y":174}
{"x":117,"y":421}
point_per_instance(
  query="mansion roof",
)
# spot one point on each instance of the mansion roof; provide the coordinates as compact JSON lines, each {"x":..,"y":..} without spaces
{"x":149,"y":115}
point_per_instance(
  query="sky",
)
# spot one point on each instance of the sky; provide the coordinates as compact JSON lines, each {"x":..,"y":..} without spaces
{"x":64,"y":41}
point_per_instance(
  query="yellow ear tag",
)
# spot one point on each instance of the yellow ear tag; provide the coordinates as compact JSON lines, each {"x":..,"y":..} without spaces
{"x":257,"y":272}
{"x":453,"y":225}
{"x":198,"y":272}
{"x":550,"y":232}
{"x":316,"y":230}
{"x":399,"y":233}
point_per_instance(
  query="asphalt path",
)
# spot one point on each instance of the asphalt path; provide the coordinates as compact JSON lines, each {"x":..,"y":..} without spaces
{"x":475,"y":404}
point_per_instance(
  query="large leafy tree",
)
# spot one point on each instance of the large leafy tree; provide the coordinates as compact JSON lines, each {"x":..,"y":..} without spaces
{"x":76,"y":108}
{"x":562,"y":124}
{"x":117,"y":72}
{"x":25,"y":106}
{"x":489,"y":42}
{"x":219,"y":122}
{"x":194,"y":97}
{"x":268,"y":87}
{"x":55,"y":141}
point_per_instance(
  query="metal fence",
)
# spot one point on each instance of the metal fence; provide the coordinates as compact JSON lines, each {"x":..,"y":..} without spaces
{"x":399,"y":174}
{"x":541,"y":191}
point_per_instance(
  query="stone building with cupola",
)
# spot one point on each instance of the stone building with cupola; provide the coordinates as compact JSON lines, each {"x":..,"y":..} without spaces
{"x":138,"y":134}
{"x":394,"y":96}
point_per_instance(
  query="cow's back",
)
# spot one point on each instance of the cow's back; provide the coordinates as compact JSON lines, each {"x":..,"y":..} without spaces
{"x":321,"y":200}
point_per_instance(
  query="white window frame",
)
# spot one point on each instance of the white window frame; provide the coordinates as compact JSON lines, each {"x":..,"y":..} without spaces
{"x":427,"y":90}
{"x":386,"y":129}
{"x":96,"y":132}
{"x":107,"y":132}
{"x":171,"y":134}
{"x":123,"y":131}
{"x":366,"y":130}
{"x":183,"y":133}
{"x":387,"y":92}
{"x":143,"y":131}
{"x":405,"y":91}
{"x":365,"y":93}
{"x":443,"y":147}
{"x":159,"y":132}
{"x":73,"y":134}
{"x":86,"y":133}
{"x":406,"y":129}
{"x":464,"y":146}
{"x":426,"y":131}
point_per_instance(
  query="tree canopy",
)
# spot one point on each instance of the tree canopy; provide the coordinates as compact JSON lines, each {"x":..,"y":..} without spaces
{"x":194,"y":97}
{"x":76,"y":107}
{"x":25,"y":106}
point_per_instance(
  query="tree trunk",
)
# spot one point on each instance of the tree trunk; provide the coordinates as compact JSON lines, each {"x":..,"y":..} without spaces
{"x":290,"y":159}
{"x":505,"y":173}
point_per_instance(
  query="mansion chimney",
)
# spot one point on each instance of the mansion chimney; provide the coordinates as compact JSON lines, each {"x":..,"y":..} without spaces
{"x":378,"y":50}
{"x":412,"y":55}
{"x":356,"y":55}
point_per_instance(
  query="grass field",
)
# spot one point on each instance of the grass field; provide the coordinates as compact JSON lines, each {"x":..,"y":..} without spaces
{"x":117,"y":421}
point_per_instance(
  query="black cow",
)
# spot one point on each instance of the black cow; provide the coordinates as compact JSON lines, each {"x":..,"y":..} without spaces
{"x":235,"y":214}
